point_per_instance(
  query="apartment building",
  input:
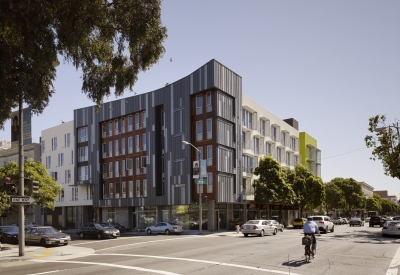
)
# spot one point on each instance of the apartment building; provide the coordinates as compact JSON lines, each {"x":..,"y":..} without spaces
{"x":384,"y":195}
{"x":74,"y":203}
{"x":310,"y":154}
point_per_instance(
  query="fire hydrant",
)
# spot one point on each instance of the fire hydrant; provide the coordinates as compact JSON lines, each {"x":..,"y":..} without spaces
{"x":237,"y":228}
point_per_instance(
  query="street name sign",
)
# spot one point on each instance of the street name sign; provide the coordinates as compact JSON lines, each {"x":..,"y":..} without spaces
{"x":201,"y":181}
{"x":18,"y":200}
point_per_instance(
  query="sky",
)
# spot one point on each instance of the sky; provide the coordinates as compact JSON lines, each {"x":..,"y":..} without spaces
{"x":331,"y":65}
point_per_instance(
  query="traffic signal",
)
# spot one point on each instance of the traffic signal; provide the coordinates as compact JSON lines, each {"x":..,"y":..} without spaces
{"x":33,"y":187}
{"x":11,"y":188}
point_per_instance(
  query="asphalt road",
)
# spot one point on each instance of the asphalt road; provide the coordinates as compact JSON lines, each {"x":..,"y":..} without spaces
{"x":348,"y":250}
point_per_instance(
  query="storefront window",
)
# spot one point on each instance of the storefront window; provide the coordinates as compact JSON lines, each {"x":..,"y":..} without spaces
{"x":146,"y":218}
{"x":111,"y":215}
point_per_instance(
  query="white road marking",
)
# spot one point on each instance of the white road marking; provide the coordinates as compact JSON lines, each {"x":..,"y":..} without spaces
{"x":111,"y":265}
{"x":393,"y":267}
{"x":48,"y":272}
{"x":201,"y":261}
{"x":392,"y":271}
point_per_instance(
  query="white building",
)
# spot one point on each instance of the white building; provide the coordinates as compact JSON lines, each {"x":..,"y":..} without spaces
{"x":74,"y":203}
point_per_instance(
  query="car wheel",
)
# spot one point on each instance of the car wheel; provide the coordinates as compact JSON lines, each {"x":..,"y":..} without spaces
{"x":282,"y":229}
{"x":261,"y":233}
{"x":65,"y":244}
{"x":43,"y":243}
{"x":326,"y":230}
{"x":26,"y":243}
{"x":275,"y":231}
{"x":333,"y":228}
{"x":2,"y":240}
{"x":81,"y":235}
{"x":148,"y":231}
{"x":98,"y":236}
{"x":383,"y":235}
{"x":246,"y":235}
{"x":166,"y":232}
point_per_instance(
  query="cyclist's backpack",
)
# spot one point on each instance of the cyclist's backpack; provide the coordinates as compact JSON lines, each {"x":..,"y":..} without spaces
{"x":306,"y":240}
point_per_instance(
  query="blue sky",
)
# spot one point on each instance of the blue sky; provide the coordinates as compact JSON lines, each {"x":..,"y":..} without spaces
{"x":329,"y":64}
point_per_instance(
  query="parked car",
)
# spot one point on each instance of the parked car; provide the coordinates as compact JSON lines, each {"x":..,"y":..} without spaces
{"x":337,"y":221}
{"x":387,"y":219}
{"x":165,"y":227}
{"x":28,"y":225}
{"x":258,"y":227}
{"x":95,"y":229}
{"x":345,"y":221}
{"x":9,"y":234}
{"x":298,"y":223}
{"x":46,"y":236}
{"x":367,"y":219}
{"x":376,"y":220}
{"x":116,"y":225}
{"x":324,"y":223}
{"x":356,"y":221}
{"x":396,"y":218}
{"x":391,"y":228}
{"x":278,"y":225}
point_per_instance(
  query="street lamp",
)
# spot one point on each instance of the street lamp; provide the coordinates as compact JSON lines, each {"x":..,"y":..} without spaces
{"x":200,"y":189}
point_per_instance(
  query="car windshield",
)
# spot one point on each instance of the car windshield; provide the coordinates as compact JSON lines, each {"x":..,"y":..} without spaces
{"x":317,"y":218}
{"x":171,"y":223}
{"x":298,"y":220}
{"x":10,"y":229}
{"x":105,"y":225}
{"x":99,"y":226}
{"x":47,"y":230}
{"x":394,"y":223}
{"x":252,"y":222}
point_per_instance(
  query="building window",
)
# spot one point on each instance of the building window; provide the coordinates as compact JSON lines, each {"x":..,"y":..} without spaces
{"x":60,"y":159}
{"x":116,"y":127}
{"x":209,"y":155}
{"x":262,"y":127}
{"x":247,"y":119}
{"x":144,"y":165}
{"x":283,"y":138}
{"x":130,"y":123}
{"x":130,"y":189}
{"x":209,"y":106}
{"x":83,"y":173}
{"x":137,"y":121}
{"x":201,"y":153}
{"x":83,"y":153}
{"x":268,"y":150}
{"x":144,"y":142}
{"x":48,"y":162}
{"x":123,"y":190}
{"x":67,"y":140}
{"x":199,"y":130}
{"x":129,"y":166}
{"x":122,"y":124}
{"x":209,"y":128}
{"x":199,"y":104}
{"x":278,"y":154}
{"x":144,"y":119}
{"x":247,"y":164}
{"x":130,"y":145}
{"x":54,"y":144}
{"x":105,"y":189}
{"x":209,"y":182}
{"x":54,"y":175}
{"x":110,"y":170}
{"x":110,"y":129}
{"x":110,"y":149}
{"x":104,"y":150}
{"x":43,"y":147}
{"x":287,"y":158}
{"x":296,"y":160}
{"x":244,"y":140}
{"x":116,"y":142}
{"x":111,"y":190}
{"x":116,"y":169}
{"x":72,"y":157}
{"x":104,"y":171}
{"x":103,"y":130}
{"x":82,"y":134}
{"x":117,"y":190}
{"x":256,"y":142}
{"x":293,"y":144}
{"x":137,"y":143}
{"x":273,"y":133}
{"x":138,"y":188}
{"x":145,"y":188}
{"x":137,"y":166}
{"x":123,"y":167}
{"x":67,"y":176}
{"x":89,"y":192}
{"x":123,"y":146}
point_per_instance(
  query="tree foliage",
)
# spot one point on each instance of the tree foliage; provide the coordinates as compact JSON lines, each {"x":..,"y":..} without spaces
{"x":374,"y":203}
{"x":48,"y":191}
{"x":388,"y":207}
{"x":334,"y":197}
{"x":352,"y":191}
{"x":112,"y":41}
{"x":385,"y":143}
{"x":271,"y":186}
{"x":309,"y":190}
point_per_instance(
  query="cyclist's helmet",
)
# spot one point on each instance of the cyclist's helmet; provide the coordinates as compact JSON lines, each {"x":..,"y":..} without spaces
{"x":309,"y":218}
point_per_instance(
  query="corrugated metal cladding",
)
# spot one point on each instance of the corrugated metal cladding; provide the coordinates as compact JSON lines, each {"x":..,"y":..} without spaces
{"x":177,"y":127}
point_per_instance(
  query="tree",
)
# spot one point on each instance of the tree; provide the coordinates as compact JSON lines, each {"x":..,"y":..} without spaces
{"x":334,"y":197}
{"x":374,"y":203}
{"x":112,"y":41}
{"x":385,"y":143}
{"x":388,"y":207}
{"x":352,"y":191}
{"x":309,"y":190}
{"x":48,"y":191}
{"x":271,"y":186}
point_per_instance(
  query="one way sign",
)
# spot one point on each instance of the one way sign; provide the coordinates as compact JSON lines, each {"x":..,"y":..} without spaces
{"x":18,"y":200}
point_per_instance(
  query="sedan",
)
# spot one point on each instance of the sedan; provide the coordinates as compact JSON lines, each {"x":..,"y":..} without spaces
{"x":278,"y":225}
{"x":46,"y":236}
{"x":258,"y":227}
{"x":391,"y":228}
{"x":298,"y":223}
{"x":97,"y":230}
{"x":165,"y":227}
{"x":367,"y":219}
{"x":116,"y":225}
{"x":9,"y":234}
{"x":356,"y":221}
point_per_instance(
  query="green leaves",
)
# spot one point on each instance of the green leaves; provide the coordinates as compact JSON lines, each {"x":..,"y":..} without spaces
{"x":352,"y":192}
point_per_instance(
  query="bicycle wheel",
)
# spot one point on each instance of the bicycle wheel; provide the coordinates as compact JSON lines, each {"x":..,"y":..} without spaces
{"x":307,"y":253}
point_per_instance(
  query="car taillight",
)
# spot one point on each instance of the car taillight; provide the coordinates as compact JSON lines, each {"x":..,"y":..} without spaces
{"x":322,"y":222}
{"x":174,"y":227}
{"x":255,"y":227}
{"x":385,"y":227}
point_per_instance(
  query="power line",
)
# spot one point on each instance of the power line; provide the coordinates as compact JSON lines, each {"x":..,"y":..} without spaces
{"x":345,"y":153}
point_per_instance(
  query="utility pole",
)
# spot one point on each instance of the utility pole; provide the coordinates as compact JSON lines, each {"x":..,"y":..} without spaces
{"x":21,"y":212}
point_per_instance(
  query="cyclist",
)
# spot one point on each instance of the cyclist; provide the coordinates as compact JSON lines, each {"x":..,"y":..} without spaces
{"x":310,"y":228}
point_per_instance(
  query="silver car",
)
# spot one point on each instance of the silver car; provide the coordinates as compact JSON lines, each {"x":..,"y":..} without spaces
{"x":258,"y":227}
{"x":391,"y":228}
{"x":165,"y":227}
{"x":278,"y":225}
{"x":46,"y":236}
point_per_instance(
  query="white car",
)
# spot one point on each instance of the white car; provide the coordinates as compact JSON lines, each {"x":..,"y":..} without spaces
{"x":324,"y":223}
{"x":258,"y":227}
{"x":391,"y":228}
{"x":165,"y":227}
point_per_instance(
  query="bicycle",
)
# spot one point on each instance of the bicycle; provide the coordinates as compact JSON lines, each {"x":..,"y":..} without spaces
{"x":307,"y":253}
{"x":307,"y":241}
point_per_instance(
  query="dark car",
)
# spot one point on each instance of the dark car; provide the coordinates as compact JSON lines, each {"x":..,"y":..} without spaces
{"x":9,"y":234}
{"x":116,"y":225}
{"x":376,"y":220}
{"x":97,"y":230}
{"x":28,"y":225}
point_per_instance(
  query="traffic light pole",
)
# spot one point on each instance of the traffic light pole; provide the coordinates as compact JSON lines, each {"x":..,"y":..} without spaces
{"x":21,"y":214}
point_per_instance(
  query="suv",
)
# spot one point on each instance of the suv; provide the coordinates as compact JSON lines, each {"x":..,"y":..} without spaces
{"x":376,"y":220}
{"x":324,"y":223}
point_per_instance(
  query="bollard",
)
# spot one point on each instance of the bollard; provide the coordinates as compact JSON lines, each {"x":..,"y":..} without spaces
{"x":237,"y":228}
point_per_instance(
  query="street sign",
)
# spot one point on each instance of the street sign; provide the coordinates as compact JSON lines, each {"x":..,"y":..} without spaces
{"x":201,"y":181}
{"x":18,"y":200}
